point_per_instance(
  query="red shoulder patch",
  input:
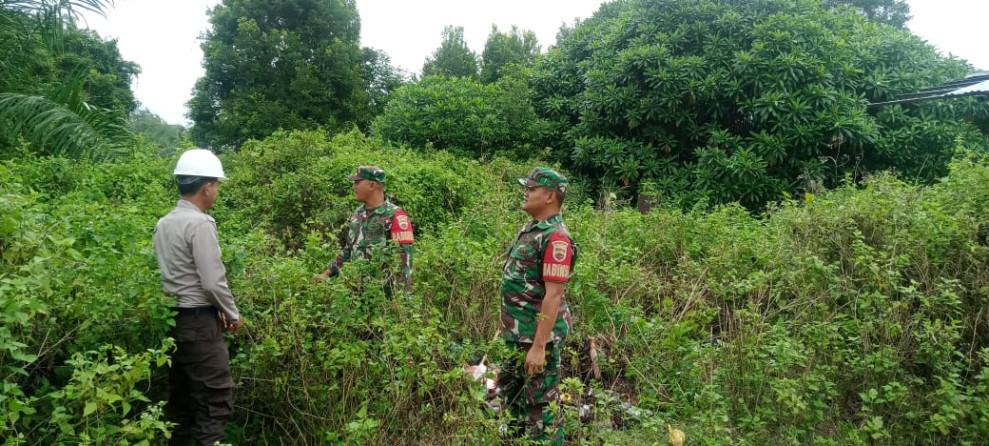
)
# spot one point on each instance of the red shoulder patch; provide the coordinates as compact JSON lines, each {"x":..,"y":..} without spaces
{"x":557,"y":258}
{"x":401,"y":228}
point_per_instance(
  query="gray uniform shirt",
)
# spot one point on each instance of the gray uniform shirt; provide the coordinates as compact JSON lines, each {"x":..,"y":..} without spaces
{"x":189,"y":258}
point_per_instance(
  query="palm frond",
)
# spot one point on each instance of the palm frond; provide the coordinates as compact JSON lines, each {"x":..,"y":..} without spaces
{"x":86,"y":132}
{"x":58,"y":121}
{"x":51,"y":16}
{"x":71,"y":8}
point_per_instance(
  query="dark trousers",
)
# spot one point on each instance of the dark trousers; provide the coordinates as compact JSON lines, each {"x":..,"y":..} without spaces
{"x":201,"y":388}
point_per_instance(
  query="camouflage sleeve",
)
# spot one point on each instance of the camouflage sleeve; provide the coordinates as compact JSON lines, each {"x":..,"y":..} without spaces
{"x":344,"y":255}
{"x":407,"y":265}
{"x":338,"y":261}
{"x":557,"y":258}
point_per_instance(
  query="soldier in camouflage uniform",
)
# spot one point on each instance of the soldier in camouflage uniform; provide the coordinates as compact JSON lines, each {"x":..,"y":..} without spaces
{"x":372,"y":225}
{"x":535,"y":318}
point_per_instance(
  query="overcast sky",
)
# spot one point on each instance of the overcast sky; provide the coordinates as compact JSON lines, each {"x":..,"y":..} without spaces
{"x":162,"y":36}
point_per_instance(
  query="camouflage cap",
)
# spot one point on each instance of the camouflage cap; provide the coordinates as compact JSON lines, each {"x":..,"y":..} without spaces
{"x":544,"y":176}
{"x":373,"y":173}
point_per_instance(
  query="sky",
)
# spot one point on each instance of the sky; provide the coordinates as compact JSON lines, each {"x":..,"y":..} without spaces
{"x":163,"y":36}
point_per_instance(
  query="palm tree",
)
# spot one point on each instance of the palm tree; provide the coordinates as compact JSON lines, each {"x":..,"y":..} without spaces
{"x":52,"y":117}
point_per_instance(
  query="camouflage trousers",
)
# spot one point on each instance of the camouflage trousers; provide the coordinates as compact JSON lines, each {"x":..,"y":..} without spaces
{"x":533,"y":402}
{"x":200,"y":385}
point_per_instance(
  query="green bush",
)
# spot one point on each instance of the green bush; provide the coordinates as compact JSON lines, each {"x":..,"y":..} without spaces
{"x":745,"y":100}
{"x":463,"y":116}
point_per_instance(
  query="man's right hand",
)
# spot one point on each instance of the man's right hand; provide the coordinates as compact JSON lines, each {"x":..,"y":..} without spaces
{"x":231,"y":327}
{"x":235,"y":326}
{"x":321,"y":276}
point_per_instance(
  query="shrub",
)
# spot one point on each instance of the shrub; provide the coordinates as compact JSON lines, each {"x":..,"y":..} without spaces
{"x":463,"y":116}
{"x":852,"y":316}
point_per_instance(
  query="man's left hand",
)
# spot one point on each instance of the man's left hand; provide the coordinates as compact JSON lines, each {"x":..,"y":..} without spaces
{"x":535,"y":359}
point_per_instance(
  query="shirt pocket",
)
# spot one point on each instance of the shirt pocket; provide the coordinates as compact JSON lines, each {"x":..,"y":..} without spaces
{"x":374,"y":232}
{"x":522,"y":260}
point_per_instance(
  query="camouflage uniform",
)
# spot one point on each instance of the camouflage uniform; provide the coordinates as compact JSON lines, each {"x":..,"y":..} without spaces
{"x":542,"y":251}
{"x":369,"y":229}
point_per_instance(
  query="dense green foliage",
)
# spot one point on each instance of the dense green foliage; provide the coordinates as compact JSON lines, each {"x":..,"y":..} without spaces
{"x":463,"y":116}
{"x":891,"y":12}
{"x":504,"y":49}
{"x":106,"y":76}
{"x":475,"y":114}
{"x":453,"y":58}
{"x":854,"y":316}
{"x":285,"y":64}
{"x":155,"y":130}
{"x":381,"y":78}
{"x":63,"y":90}
{"x":744,"y":100}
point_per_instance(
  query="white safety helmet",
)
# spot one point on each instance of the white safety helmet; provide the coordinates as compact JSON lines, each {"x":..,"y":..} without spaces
{"x":199,"y":163}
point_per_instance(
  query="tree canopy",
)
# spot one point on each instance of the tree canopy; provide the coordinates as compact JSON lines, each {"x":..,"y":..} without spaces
{"x":453,"y":58}
{"x":63,"y":90}
{"x":106,"y":75}
{"x":741,"y":100}
{"x":155,"y":130}
{"x":381,"y":80}
{"x":464,"y":116}
{"x":503,"y":49}
{"x":273,"y":64}
{"x":891,"y":12}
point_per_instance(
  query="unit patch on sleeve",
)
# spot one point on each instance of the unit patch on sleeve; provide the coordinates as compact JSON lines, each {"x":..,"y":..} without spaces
{"x":560,"y":248}
{"x":401,"y":228}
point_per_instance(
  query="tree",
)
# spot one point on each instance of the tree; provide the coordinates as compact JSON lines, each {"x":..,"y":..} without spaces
{"x":106,"y":75}
{"x":453,"y":58}
{"x":463,"y":116}
{"x":63,"y":90}
{"x":271,"y":64}
{"x":381,"y":78}
{"x":891,"y":12}
{"x":155,"y":130}
{"x":743,"y":100}
{"x":503,"y":49}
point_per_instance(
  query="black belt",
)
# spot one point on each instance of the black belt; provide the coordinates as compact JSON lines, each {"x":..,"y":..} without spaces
{"x":196,"y":311}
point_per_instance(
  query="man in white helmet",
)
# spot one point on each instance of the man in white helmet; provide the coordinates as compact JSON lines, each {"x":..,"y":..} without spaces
{"x":201,"y":388}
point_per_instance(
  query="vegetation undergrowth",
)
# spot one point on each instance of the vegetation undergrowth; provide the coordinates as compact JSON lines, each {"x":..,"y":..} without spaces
{"x":853,"y":316}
